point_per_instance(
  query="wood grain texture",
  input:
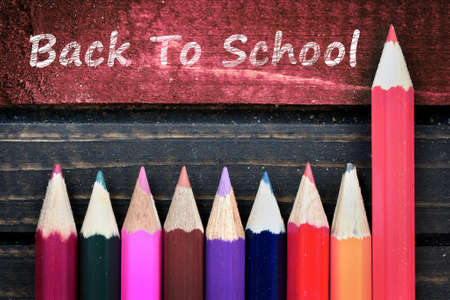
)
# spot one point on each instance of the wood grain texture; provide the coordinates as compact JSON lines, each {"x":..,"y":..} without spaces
{"x":421,"y":28}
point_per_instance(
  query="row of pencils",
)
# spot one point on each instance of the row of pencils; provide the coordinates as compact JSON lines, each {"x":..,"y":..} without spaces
{"x":145,"y":261}
{"x":264,"y":261}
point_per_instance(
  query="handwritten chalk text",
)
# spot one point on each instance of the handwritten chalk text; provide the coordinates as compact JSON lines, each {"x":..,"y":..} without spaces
{"x":43,"y":53}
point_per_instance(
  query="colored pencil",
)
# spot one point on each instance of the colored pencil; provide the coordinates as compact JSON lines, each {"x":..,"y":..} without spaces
{"x":265,"y":240}
{"x":225,"y":246}
{"x":56,"y":244}
{"x":393,"y":176}
{"x":308,"y":240}
{"x":99,"y":247}
{"x":141,"y":245}
{"x":183,"y":245}
{"x":351,"y":260}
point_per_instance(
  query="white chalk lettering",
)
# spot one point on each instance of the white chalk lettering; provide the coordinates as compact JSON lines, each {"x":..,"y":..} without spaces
{"x":97,"y":45}
{"x":333,"y":62}
{"x":258,"y":62}
{"x":74,"y":58}
{"x":43,"y":53}
{"x":185,"y":51}
{"x":353,"y":47}
{"x":35,"y":50}
{"x":227,"y":46}
{"x":302,"y":57}
{"x":164,"y":40}
{"x":117,"y":54}
{"x":279,"y":50}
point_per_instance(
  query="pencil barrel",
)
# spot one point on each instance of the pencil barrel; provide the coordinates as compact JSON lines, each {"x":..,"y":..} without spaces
{"x":141,"y":265}
{"x":183,"y":265}
{"x":350,"y":269}
{"x":308,"y":262}
{"x":99,"y":268}
{"x":55,"y":267}
{"x":393,"y":193}
{"x":265,"y":265}
{"x":225,"y":269}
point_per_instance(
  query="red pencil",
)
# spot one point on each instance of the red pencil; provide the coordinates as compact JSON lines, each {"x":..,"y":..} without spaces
{"x":308,"y":244}
{"x":56,"y":244}
{"x":393,"y":176}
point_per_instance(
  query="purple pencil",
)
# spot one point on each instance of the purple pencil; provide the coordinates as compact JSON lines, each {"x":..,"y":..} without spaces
{"x":225,"y":246}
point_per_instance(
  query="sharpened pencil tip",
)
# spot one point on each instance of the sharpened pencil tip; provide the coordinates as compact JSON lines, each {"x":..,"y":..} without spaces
{"x":225,"y":184}
{"x":100,"y":179}
{"x":183,"y":180}
{"x":308,"y":173}
{"x":391,"y":37}
{"x":266,"y":179}
{"x":143,"y":182}
{"x":56,"y":170}
{"x":350,"y":167}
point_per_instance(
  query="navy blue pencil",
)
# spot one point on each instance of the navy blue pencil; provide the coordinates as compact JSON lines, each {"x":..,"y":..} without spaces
{"x":265,"y":236}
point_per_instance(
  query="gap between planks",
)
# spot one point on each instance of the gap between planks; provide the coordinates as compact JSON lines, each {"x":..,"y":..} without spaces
{"x":6,"y":167}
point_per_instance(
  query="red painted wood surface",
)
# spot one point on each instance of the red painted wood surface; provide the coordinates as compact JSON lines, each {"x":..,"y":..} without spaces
{"x":422,"y":26}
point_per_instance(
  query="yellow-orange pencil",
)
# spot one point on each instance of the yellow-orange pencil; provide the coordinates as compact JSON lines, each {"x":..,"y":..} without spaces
{"x":350,"y":261}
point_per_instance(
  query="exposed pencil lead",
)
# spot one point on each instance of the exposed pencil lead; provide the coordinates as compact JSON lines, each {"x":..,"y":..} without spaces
{"x":56,"y":213}
{"x":265,"y":214}
{"x":392,"y":70}
{"x":183,"y":180}
{"x":391,"y":37}
{"x":100,"y":179}
{"x":99,"y":218}
{"x":225,"y":184}
{"x":350,"y":218}
{"x":143,"y":182}
{"x":308,"y":207}
{"x":308,"y":173}
{"x":56,"y":170}
{"x":183,"y":213}
{"x":141,"y":213}
{"x":349,"y":167}
{"x":266,"y":179}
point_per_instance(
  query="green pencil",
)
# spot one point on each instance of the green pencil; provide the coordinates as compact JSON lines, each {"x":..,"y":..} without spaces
{"x":99,"y":248}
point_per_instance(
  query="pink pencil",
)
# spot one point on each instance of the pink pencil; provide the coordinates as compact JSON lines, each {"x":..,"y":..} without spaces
{"x":141,"y":245}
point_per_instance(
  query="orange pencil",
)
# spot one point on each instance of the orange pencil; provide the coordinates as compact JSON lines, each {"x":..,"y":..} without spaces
{"x":350,"y":261}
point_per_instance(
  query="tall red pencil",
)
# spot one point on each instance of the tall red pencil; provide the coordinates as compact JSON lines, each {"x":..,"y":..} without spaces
{"x":393,"y":176}
{"x":56,"y":244}
{"x":308,"y":244}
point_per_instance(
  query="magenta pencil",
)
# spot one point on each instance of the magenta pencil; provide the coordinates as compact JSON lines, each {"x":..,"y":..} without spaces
{"x":56,"y":244}
{"x":141,"y":245}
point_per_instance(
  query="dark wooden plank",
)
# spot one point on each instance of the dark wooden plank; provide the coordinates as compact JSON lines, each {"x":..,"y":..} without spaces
{"x":16,"y":272}
{"x":252,"y":151}
{"x":146,"y":80}
{"x":28,"y":151}
{"x":432,"y":272}
{"x":17,"y":268}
